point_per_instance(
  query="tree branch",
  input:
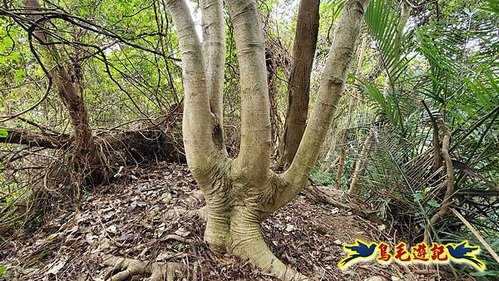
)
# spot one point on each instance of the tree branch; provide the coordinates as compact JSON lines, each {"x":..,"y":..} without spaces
{"x":304,"y":45}
{"x":255,"y":149}
{"x":197,"y":123}
{"x":214,"y":51}
{"x":31,"y":139}
{"x":331,"y":88}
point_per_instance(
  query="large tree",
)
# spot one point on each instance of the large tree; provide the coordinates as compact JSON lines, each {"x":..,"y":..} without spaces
{"x":242,"y":192}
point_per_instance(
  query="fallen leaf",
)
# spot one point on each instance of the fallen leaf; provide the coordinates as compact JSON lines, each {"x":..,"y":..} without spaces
{"x":58,"y":266}
{"x":182,"y":232}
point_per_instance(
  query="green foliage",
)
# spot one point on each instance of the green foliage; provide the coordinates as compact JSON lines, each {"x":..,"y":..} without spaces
{"x":493,"y":6}
{"x":448,"y":59}
{"x":382,"y":22}
{"x":492,"y":271}
{"x":321,"y":178}
{"x":387,"y":104}
{"x":326,"y":178}
{"x":332,"y":8}
{"x":433,"y":203}
{"x":330,"y":12}
{"x":392,"y":43}
{"x":486,"y":275}
{"x":442,"y":64}
{"x":3,"y":133}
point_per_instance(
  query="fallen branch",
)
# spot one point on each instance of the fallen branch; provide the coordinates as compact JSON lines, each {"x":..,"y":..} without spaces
{"x":479,"y":193}
{"x":326,"y":195}
{"x":137,"y":145}
{"x":477,"y":235}
{"x":33,"y":139}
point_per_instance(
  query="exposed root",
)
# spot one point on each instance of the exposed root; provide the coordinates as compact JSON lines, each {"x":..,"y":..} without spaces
{"x":328,"y":196}
{"x":258,"y":253}
{"x":124,"y":269}
{"x":246,"y":241}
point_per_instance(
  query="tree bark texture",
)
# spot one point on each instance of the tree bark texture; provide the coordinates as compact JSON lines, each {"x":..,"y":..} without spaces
{"x":242,"y":192}
{"x":305,"y":42}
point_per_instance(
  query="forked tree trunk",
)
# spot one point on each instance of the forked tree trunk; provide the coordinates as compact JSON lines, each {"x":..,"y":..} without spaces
{"x":305,"y":42}
{"x":242,"y":192}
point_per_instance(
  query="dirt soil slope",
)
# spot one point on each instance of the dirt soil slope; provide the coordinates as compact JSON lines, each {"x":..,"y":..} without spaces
{"x":144,"y":216}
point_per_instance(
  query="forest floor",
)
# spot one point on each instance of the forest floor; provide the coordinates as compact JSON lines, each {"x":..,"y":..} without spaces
{"x":142,"y":216}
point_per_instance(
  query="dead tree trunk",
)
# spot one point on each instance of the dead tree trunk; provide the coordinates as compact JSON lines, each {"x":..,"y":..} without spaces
{"x":304,"y":47}
{"x":32,"y":139}
{"x":121,"y":147}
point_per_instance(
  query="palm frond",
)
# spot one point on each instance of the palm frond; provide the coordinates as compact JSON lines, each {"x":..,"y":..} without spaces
{"x":382,"y":21}
{"x":387,"y":104}
{"x":493,"y":6}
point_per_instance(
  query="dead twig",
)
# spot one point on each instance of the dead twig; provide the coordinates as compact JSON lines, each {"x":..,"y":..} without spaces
{"x":477,"y":235}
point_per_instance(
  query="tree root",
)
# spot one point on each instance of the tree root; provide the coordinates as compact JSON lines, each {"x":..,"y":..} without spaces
{"x":246,"y":241}
{"x":327,"y":196}
{"x":124,"y":269}
{"x":258,"y":253}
